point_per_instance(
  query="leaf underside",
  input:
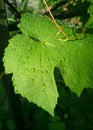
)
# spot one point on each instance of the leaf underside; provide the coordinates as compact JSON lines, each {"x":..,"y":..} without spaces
{"x":33,"y":55}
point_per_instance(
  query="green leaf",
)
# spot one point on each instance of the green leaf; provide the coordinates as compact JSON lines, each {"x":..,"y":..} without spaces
{"x":77,"y":64}
{"x":32,"y":62}
{"x":90,"y":11}
{"x":56,"y":124}
{"x":39,"y":27}
{"x":11,"y":124}
{"x":32,"y":65}
{"x":33,"y":55}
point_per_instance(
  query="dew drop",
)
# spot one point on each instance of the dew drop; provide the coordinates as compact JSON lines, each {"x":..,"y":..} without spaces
{"x":65,"y":67}
{"x":68,"y":60}
{"x":30,"y":48}
{"x":18,"y":47}
{"x":43,"y":86}
{"x":33,"y":70}
{"x":45,"y":72}
{"x":47,"y":59}
{"x":23,"y":63}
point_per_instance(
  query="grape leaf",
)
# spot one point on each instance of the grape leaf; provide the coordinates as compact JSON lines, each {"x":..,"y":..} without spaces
{"x":39,"y":27}
{"x":32,"y":65}
{"x":33,"y":55}
{"x":89,"y":23}
{"x":77,"y":64}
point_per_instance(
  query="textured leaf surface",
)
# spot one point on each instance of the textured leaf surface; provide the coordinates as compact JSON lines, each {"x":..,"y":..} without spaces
{"x":39,"y":27}
{"x":33,"y":55}
{"x":32,"y":65}
{"x":77,"y":64}
{"x":89,"y":22}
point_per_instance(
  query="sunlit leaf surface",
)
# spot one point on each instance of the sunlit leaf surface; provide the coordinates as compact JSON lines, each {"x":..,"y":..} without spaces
{"x":33,"y":55}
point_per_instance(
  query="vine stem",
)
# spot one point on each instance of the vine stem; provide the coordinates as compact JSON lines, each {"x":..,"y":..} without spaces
{"x":57,"y":25}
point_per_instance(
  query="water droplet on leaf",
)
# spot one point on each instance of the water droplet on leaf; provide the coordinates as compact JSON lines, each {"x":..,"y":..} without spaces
{"x":65,"y":67}
{"x":23,"y":63}
{"x":43,"y":86}
{"x":30,"y":48}
{"x":18,"y":47}
{"x":47,"y":59}
{"x":45,"y":71}
{"x":33,"y":69}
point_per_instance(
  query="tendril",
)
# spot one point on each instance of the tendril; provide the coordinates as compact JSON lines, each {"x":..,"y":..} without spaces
{"x":57,"y":25}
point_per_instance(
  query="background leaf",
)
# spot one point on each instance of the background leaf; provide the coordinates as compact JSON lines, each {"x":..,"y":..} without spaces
{"x":89,"y":23}
{"x":77,"y":63}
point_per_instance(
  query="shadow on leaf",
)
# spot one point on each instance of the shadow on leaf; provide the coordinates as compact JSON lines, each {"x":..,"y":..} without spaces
{"x":75,"y":112}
